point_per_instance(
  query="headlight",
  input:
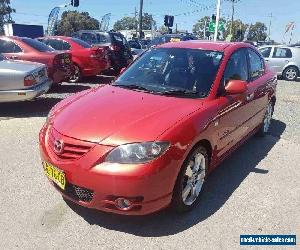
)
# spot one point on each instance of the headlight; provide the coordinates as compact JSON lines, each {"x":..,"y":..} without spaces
{"x":137,"y":152}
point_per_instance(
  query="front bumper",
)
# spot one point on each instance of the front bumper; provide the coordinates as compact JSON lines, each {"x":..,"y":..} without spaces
{"x":25,"y":94}
{"x":148,"y":186}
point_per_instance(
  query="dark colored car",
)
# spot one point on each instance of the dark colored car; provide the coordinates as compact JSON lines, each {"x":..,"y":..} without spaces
{"x":59,"y":64}
{"x":119,"y":51}
{"x":151,"y":139}
{"x":171,"y":38}
{"x":87,"y":60}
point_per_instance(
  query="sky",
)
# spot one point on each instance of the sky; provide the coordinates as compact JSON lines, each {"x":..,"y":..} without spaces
{"x":186,"y":12}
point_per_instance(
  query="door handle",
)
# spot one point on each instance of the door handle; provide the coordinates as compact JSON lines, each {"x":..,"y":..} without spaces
{"x":250,"y":97}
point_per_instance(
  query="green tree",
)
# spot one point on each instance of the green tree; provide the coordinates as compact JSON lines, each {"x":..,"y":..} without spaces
{"x":72,"y":21}
{"x":148,"y":21}
{"x":238,"y":30}
{"x":126,"y":23}
{"x":130,"y":23}
{"x":163,"y":30}
{"x":5,"y":14}
{"x":198,"y":27}
{"x":258,"y":32}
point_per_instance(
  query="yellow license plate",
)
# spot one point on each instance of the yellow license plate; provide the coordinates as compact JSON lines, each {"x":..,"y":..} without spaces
{"x":67,"y":60}
{"x":54,"y":174}
{"x":174,"y":40}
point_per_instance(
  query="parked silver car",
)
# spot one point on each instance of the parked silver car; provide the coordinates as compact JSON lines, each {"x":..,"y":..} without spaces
{"x":20,"y":80}
{"x":283,"y":60}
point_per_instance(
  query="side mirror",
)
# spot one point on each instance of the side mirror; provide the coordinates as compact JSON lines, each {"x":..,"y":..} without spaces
{"x":235,"y":87}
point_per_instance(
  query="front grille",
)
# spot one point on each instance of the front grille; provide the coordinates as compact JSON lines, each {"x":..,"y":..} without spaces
{"x":73,"y":149}
{"x":77,"y":193}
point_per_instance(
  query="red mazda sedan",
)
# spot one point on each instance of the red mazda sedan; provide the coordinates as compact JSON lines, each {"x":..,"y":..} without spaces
{"x":88,"y":60}
{"x":151,"y":139}
{"x":59,"y":64}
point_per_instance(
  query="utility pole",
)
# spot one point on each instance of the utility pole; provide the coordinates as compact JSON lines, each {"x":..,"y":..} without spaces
{"x":270,"y":24}
{"x":217,"y":20}
{"x":141,"y":19}
{"x":136,"y":21}
{"x":232,"y":15}
{"x":204,"y":30}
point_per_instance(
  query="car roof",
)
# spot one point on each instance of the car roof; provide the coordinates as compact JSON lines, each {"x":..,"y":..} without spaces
{"x":206,"y":45}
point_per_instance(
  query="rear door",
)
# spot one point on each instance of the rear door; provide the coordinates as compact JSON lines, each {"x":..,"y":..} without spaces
{"x":280,"y":57}
{"x":257,"y":95}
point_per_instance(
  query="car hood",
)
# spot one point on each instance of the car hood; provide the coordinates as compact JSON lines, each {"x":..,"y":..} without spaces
{"x":113,"y":116}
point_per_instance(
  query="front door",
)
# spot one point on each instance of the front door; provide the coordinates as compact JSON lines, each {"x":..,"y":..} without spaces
{"x":233,"y":109}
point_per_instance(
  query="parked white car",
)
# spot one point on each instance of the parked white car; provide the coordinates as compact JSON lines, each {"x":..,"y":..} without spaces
{"x":283,"y":60}
{"x":20,"y":80}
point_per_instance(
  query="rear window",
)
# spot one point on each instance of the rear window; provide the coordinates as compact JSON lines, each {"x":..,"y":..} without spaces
{"x":102,"y":38}
{"x":41,"y":47}
{"x":81,"y":43}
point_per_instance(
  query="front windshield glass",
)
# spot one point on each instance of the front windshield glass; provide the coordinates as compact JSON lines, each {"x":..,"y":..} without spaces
{"x":189,"y":72}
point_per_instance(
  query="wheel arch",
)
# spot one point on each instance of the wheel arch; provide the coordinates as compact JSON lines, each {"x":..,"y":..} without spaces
{"x":291,"y":65}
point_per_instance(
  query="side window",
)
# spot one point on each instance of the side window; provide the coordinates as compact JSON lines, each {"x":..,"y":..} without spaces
{"x":102,"y":38}
{"x":66,"y":45}
{"x":282,"y":53}
{"x":237,"y":67}
{"x":265,"y":51}
{"x":89,"y":38}
{"x":55,"y":44}
{"x":9,"y":47}
{"x":257,"y":67}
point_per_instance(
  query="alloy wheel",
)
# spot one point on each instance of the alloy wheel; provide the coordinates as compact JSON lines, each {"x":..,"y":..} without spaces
{"x":76,"y":76}
{"x":291,"y":74}
{"x":194,"y":179}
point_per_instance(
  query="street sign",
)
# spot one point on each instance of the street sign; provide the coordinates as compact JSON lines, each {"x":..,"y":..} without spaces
{"x":212,"y":27}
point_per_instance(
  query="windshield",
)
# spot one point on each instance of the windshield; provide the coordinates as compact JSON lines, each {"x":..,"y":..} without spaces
{"x":81,"y":43}
{"x":39,"y":46}
{"x":173,"y":70}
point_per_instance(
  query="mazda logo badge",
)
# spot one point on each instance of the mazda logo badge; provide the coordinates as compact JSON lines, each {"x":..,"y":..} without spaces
{"x":58,"y":147}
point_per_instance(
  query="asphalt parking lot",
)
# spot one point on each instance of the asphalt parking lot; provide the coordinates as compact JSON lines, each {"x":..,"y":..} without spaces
{"x":255,"y":191}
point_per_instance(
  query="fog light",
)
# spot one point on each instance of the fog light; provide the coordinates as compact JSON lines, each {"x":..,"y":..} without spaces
{"x":123,"y":204}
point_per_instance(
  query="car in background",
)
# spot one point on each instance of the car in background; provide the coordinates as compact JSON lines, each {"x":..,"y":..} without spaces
{"x":119,"y":51}
{"x":136,"y":48}
{"x":167,"y":122}
{"x":87,"y":60}
{"x":283,"y":60}
{"x":145,"y":43}
{"x":59,"y":64}
{"x":21,"y":80}
{"x":172,"y":38}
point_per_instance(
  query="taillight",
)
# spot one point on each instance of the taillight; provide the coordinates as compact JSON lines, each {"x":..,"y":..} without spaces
{"x":29,"y":80}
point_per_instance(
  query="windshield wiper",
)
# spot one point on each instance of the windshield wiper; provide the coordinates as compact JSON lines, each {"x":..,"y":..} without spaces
{"x":132,"y":86}
{"x":182,"y":92}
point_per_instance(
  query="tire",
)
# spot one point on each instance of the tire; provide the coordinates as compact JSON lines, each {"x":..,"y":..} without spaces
{"x":76,"y":77}
{"x":290,"y":73}
{"x":265,"y":127}
{"x":189,"y":183}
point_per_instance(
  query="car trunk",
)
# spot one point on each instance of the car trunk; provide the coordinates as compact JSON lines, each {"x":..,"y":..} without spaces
{"x":13,"y":73}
